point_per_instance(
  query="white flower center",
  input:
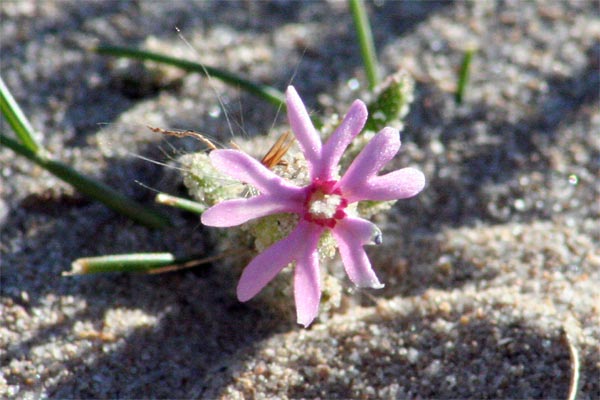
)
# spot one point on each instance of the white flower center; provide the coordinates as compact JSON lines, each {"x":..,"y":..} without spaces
{"x":324,"y":205}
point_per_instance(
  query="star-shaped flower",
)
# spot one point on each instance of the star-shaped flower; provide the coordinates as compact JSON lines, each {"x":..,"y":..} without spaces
{"x":322,"y":204}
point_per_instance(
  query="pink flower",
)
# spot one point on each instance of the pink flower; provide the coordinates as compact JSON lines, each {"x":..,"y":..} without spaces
{"x":320,"y":205}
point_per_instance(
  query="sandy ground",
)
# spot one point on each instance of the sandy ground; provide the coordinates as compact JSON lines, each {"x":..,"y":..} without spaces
{"x":490,"y":272}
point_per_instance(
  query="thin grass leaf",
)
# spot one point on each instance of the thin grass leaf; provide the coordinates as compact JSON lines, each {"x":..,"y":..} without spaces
{"x":178,"y":202}
{"x":140,"y":262}
{"x":365,"y":40}
{"x":268,"y":93}
{"x":150,"y":263}
{"x":16,"y":119}
{"x":89,"y":187}
{"x":463,"y":76}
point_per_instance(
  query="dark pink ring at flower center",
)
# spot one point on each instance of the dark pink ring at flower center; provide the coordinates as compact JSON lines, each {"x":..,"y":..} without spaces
{"x":320,"y":192}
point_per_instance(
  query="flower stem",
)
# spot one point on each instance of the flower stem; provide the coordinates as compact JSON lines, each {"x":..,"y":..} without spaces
{"x":88,"y":186}
{"x":178,"y":202}
{"x":268,"y":93}
{"x":463,"y":75}
{"x":16,"y":119}
{"x":365,"y":39}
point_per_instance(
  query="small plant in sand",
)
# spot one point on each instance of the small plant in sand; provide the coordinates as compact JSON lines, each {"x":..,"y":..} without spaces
{"x":297,"y":212}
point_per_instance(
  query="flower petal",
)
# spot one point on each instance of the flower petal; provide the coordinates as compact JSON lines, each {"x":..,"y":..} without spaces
{"x":351,"y":234}
{"x":378,"y":152}
{"x":244,"y":168}
{"x":237,"y":211}
{"x":303,"y":129}
{"x":307,"y":282}
{"x":400,"y":184}
{"x":339,"y":140}
{"x":263,"y":268}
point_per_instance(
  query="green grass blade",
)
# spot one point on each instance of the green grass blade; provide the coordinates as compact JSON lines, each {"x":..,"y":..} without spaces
{"x":268,"y":93}
{"x":140,"y":262}
{"x":182,"y":204}
{"x":365,"y":40}
{"x":16,"y":119}
{"x":463,"y":76}
{"x":152,"y":263}
{"x":90,"y":187}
